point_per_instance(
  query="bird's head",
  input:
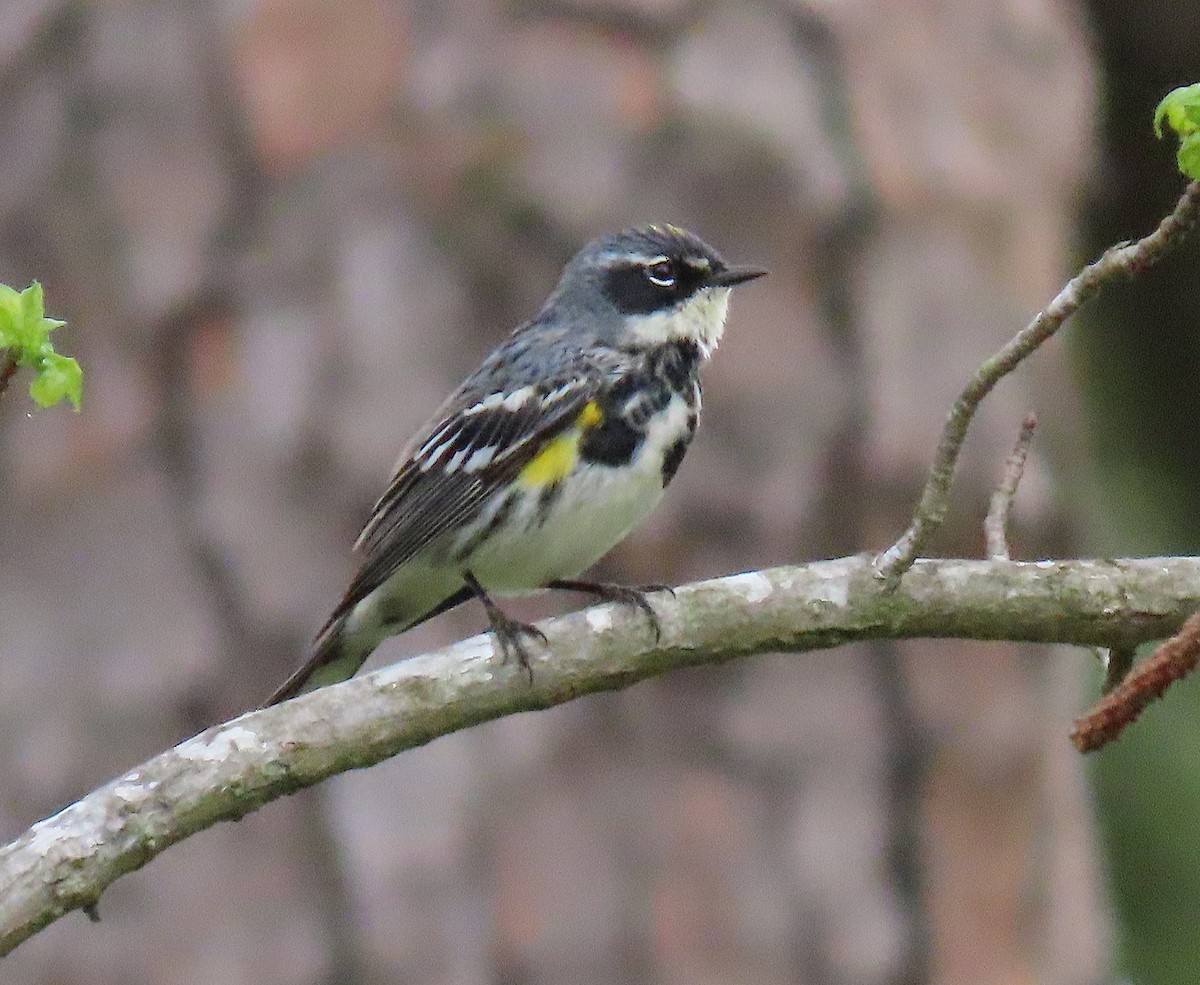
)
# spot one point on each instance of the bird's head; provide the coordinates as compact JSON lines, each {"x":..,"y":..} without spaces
{"x":649,"y":286}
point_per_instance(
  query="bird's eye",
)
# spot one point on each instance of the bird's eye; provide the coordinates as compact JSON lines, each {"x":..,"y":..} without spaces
{"x":661,"y":273}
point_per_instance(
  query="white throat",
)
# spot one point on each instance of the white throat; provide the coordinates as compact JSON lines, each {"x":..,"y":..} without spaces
{"x":700,"y":319}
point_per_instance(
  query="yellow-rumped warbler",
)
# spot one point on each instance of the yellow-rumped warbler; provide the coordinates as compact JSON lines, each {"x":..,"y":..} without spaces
{"x":545,"y":456}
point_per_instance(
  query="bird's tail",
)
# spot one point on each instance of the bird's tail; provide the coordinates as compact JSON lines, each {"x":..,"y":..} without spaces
{"x":332,"y":660}
{"x":344,"y":645}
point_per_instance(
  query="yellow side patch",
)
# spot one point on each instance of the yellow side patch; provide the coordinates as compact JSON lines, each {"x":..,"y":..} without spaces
{"x":558,"y":457}
{"x":553,"y":462}
{"x":590,"y":416}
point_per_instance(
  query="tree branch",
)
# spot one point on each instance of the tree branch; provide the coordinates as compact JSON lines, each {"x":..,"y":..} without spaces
{"x":1129,"y":259}
{"x":66,"y":861}
{"x":1124,"y":701}
{"x":995,"y":524}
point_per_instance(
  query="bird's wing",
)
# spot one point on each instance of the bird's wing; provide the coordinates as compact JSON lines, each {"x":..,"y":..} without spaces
{"x":476,"y":446}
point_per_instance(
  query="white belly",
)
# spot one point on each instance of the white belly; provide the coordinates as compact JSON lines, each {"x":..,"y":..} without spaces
{"x":596,"y":507}
{"x":594,"y":511}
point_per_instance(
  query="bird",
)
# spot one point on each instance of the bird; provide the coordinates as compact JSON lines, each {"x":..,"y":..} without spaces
{"x":544,"y":457}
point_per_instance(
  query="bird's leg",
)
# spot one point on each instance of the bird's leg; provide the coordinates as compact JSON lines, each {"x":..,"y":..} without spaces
{"x":508,"y":631}
{"x":634,"y":595}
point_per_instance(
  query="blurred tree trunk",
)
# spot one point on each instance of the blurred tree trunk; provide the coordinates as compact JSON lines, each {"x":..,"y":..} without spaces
{"x":287,"y":227}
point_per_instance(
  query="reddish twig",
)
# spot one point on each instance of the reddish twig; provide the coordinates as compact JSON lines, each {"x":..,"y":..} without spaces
{"x":995,"y":524}
{"x":1172,"y":660}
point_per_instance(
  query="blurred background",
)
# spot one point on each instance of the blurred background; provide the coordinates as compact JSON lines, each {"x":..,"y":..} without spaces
{"x":281,"y":230}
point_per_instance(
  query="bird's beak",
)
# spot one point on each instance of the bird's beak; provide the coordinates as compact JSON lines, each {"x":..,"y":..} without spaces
{"x":734,"y":275}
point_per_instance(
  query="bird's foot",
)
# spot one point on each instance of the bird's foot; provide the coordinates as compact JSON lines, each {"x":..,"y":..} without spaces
{"x":634,"y":595}
{"x":510,"y":633}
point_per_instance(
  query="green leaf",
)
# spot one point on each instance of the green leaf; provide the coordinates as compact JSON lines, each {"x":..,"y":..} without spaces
{"x":57,"y":377}
{"x":23,"y":322}
{"x":1175,"y":107}
{"x":10,"y":317}
{"x":1180,"y":109}
{"x":33,"y":306}
{"x":33,"y":303}
{"x":25,"y":333}
{"x":1188,"y":155}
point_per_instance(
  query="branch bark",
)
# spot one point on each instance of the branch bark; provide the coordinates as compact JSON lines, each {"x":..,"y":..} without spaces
{"x":66,"y":861}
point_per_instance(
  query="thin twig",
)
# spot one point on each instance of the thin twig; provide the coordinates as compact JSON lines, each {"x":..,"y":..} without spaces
{"x":995,"y":524}
{"x":1130,"y":259}
{"x":1174,"y":659}
{"x":1118,"y":661}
